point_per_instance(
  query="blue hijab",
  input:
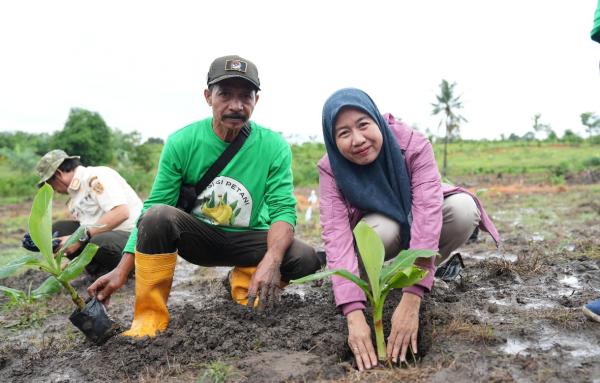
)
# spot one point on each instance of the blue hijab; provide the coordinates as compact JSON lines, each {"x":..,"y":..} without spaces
{"x":382,"y":186}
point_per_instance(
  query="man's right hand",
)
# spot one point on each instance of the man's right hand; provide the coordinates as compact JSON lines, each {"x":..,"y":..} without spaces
{"x":107,"y":284}
{"x":359,"y":340}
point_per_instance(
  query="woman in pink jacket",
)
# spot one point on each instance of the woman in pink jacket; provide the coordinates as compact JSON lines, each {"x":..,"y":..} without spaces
{"x":382,"y":171}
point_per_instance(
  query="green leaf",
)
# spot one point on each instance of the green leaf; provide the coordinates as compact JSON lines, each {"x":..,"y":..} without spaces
{"x":50,"y":286}
{"x":405,"y":277}
{"x":12,"y":267}
{"x":233,"y":204}
{"x":76,"y":266}
{"x":14,"y":294}
{"x":224,"y":199}
{"x":40,"y":222}
{"x":403,"y":260}
{"x":339,"y":272}
{"x":372,"y":252}
{"x":77,"y":234}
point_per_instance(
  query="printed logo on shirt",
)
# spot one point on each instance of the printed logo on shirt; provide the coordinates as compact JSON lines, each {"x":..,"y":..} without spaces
{"x":225,"y":202}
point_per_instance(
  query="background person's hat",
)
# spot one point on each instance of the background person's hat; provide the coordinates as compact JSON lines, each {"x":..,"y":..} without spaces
{"x":233,"y":66}
{"x":48,"y":164}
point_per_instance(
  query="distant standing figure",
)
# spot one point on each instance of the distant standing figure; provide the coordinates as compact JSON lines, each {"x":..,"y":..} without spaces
{"x":592,"y":309}
{"x":312,"y":200}
{"x":99,"y":196}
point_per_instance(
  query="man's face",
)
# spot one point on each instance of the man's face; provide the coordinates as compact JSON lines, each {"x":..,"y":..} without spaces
{"x":232,"y":102}
{"x":59,"y":182}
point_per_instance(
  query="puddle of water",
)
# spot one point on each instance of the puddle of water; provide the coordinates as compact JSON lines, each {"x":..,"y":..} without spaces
{"x":490,"y":254}
{"x":531,"y":303}
{"x":577,"y":347}
{"x":537,"y":237}
{"x":570,"y":248}
{"x":571,"y":281}
{"x":515,"y":346}
{"x":299,"y":290}
{"x":500,"y":302}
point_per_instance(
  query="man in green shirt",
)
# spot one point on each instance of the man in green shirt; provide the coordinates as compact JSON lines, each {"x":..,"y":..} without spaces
{"x":596,"y":28}
{"x":244,"y":218}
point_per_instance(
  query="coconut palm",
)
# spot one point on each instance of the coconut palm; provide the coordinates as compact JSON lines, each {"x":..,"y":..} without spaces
{"x":591,"y":122}
{"x":448,"y":105}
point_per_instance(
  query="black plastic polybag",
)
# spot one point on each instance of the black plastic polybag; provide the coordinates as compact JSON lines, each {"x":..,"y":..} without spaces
{"x":94,"y":322}
{"x":28,"y":243}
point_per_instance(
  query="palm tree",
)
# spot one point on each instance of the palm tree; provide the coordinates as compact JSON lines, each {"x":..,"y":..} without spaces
{"x":591,"y":122}
{"x":448,"y":104}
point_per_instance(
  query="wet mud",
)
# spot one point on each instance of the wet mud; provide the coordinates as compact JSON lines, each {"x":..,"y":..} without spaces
{"x":514,"y":314}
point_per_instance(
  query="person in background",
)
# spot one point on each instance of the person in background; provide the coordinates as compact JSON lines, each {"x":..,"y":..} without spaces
{"x":381,"y":171}
{"x":99,"y":196}
{"x":592,"y":309}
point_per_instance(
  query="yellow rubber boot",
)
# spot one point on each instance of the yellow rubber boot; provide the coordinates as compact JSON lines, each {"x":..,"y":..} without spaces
{"x":153,"y":278}
{"x":239,"y":280}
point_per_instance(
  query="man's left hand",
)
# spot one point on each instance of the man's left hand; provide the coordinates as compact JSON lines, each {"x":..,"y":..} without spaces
{"x":265,"y":283}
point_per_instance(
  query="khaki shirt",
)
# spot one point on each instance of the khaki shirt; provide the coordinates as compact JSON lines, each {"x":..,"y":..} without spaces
{"x":95,"y":191}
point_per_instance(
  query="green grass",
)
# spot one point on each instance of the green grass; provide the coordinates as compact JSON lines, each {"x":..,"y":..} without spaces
{"x":217,"y":372}
{"x":480,"y":157}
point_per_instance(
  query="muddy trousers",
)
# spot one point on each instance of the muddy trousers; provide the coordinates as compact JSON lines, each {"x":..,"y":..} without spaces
{"x":165,"y":229}
{"x":110,"y":245}
{"x":460,"y":218}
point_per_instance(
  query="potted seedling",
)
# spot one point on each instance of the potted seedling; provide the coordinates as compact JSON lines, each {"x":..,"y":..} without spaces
{"x":399,"y":273}
{"x":91,"y":317}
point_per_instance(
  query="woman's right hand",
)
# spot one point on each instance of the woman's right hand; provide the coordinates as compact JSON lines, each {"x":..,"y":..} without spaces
{"x":359,"y":339}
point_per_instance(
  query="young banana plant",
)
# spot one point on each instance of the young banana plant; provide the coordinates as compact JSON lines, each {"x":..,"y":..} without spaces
{"x":40,"y":229}
{"x":399,"y":273}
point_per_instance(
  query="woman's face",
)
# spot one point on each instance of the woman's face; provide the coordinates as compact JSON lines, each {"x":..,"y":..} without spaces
{"x":357,"y":136}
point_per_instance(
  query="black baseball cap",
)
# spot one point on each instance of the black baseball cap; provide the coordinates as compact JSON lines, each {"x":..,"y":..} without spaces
{"x":233,"y":66}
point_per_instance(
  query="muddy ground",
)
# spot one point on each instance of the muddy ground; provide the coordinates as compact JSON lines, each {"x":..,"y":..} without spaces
{"x":513,"y":315}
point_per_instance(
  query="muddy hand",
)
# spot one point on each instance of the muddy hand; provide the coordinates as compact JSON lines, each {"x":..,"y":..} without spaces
{"x":265,"y":284}
{"x":405,"y":326}
{"x":107,"y":284}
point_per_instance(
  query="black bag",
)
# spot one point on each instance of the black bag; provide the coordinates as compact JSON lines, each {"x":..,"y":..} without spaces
{"x":94,"y":322}
{"x":188,"y":194}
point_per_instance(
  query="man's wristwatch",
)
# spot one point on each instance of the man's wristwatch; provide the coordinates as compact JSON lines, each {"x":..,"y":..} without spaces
{"x":85,"y":236}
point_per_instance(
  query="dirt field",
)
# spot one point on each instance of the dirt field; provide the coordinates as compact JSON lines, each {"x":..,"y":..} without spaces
{"x":514,"y":315}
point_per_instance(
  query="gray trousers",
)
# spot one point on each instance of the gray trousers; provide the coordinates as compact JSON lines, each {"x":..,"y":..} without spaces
{"x":460,"y":218}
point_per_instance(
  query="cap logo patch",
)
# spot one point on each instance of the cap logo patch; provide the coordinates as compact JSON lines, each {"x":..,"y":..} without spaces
{"x":237,"y":65}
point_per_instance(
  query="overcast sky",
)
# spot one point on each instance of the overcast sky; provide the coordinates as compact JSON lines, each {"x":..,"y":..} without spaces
{"x":142,"y":64}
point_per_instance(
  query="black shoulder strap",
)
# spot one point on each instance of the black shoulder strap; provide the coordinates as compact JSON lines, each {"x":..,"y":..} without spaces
{"x":223,"y":159}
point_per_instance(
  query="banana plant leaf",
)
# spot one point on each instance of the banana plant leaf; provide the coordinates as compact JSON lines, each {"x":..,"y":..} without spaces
{"x":405,"y":259}
{"x":14,"y":266}
{"x":14,"y":294}
{"x":339,"y":272}
{"x":404,"y":278}
{"x":76,"y":266}
{"x":372,"y":253}
{"x":49,"y":287}
{"x":40,"y":222}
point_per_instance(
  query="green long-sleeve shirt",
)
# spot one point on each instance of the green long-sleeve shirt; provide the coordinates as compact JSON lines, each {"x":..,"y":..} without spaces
{"x":595,"y":33}
{"x":252,"y":191}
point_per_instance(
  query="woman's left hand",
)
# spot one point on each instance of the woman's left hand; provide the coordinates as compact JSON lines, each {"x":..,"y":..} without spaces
{"x":405,"y":326}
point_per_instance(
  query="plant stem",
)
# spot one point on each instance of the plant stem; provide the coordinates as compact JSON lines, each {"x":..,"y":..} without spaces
{"x":74,"y":296}
{"x":378,"y":323}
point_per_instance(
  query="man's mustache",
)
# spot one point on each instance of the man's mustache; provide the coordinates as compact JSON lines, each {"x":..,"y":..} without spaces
{"x":234,"y":116}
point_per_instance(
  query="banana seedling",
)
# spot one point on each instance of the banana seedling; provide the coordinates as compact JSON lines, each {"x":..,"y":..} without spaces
{"x":400,"y":272}
{"x":40,"y":229}
{"x":90,"y":318}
